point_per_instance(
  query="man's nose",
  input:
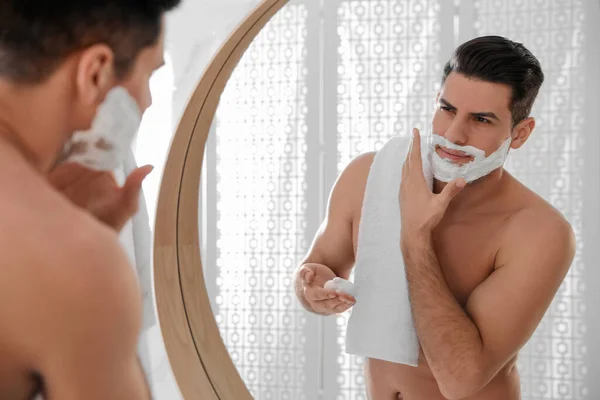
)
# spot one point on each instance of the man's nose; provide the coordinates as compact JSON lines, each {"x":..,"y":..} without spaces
{"x":456,"y":132}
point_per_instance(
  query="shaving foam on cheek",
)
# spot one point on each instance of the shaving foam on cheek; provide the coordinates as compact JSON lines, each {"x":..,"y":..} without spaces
{"x":104,"y":147}
{"x":445,"y":170}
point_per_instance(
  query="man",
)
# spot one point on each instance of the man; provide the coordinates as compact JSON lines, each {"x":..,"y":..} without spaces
{"x":70,"y":303}
{"x":483,"y":260}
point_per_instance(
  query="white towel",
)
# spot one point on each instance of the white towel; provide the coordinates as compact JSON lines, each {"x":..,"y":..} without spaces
{"x":136,"y":238}
{"x":381,"y":325}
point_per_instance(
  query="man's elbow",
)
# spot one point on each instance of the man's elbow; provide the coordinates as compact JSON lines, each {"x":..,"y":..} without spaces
{"x":460,"y":393}
{"x":458,"y":390}
{"x":463,"y":385}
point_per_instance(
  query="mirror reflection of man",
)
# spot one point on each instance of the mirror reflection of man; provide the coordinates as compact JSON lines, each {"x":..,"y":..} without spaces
{"x":71,"y":304}
{"x":484,"y":255}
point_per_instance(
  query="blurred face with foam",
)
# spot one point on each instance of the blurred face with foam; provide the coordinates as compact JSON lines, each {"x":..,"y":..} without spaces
{"x":106,"y":143}
{"x":85,"y":67}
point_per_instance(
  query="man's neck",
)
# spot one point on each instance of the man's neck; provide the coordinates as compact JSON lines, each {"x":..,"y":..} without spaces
{"x":26,"y":125}
{"x":10,"y":142}
{"x":476,"y":194}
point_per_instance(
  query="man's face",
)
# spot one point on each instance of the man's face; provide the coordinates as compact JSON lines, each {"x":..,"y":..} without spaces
{"x":95,"y":86}
{"x":471,"y":112}
{"x":137,"y":81}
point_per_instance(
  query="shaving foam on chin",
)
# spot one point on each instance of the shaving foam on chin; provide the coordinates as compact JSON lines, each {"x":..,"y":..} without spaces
{"x":445,"y":170}
{"x":104,"y":146}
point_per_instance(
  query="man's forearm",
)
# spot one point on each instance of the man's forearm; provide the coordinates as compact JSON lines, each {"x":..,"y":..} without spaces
{"x":450,"y":340}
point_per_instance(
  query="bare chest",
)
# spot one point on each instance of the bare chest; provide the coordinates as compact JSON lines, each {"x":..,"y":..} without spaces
{"x":465,"y":251}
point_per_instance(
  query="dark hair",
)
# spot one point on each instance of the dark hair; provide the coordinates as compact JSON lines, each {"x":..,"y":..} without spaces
{"x":37,"y":35}
{"x":499,"y":60}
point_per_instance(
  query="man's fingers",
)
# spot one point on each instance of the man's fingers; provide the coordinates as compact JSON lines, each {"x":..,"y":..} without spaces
{"x":415,"y":149}
{"x":451,"y":190}
{"x":315,"y":293}
{"x":412,"y":170}
{"x":415,"y":153}
{"x":413,"y":157}
{"x":70,"y":174}
{"x":133,"y":186}
{"x":307,"y":274}
{"x":409,"y":161}
{"x":332,"y":306}
{"x":343,"y":307}
{"x":332,"y":294}
{"x":135,"y":178}
{"x":346,"y":298}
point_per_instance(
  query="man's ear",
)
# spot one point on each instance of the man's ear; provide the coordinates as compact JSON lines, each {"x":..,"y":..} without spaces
{"x":95,"y":74}
{"x":521,"y":132}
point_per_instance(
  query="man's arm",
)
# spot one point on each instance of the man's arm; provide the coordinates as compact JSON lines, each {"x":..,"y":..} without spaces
{"x":333,"y":244}
{"x":93,"y":323}
{"x":467,"y":348}
{"x":98,"y":193}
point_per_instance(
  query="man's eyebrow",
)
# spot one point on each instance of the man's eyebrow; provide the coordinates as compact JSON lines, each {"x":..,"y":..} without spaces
{"x":486,"y":114}
{"x":447,"y":103}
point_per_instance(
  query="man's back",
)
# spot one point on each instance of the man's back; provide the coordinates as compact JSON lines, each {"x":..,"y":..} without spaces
{"x":78,"y":83}
{"x":69,"y":301}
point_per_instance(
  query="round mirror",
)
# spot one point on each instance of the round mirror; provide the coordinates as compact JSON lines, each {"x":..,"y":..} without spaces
{"x":299,"y":90}
{"x":253,"y":211}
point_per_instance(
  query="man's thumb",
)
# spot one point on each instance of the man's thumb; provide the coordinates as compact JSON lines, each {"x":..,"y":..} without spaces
{"x":307,"y":273}
{"x":452,"y":190}
{"x":133,"y":185}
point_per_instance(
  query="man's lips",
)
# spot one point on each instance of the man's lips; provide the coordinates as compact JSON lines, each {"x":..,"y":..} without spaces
{"x":453,"y":155}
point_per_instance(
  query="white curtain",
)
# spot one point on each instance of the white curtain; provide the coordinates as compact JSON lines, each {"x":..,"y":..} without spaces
{"x":324,"y":82}
{"x":555,"y":362}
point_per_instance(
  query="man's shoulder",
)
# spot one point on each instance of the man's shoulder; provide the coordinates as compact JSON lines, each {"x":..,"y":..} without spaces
{"x":67,"y":258}
{"x":349,"y":189}
{"x":538,"y":227}
{"x":60,"y":250}
{"x":38,"y":221}
{"x":361,"y":164}
{"x":94,"y":280}
{"x":537,"y":215}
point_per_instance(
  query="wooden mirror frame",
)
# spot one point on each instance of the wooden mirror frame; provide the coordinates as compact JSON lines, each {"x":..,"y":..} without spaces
{"x":200,"y":361}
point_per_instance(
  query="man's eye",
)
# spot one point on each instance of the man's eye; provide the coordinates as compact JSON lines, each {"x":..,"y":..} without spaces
{"x":483,"y":120}
{"x":444,"y":108}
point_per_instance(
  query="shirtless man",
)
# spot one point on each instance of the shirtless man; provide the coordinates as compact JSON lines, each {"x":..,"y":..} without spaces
{"x":483,"y":260}
{"x":70,"y":305}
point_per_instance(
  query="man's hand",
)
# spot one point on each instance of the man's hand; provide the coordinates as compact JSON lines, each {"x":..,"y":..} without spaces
{"x":99,"y":193}
{"x":421,"y":209}
{"x":323,"y":301}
